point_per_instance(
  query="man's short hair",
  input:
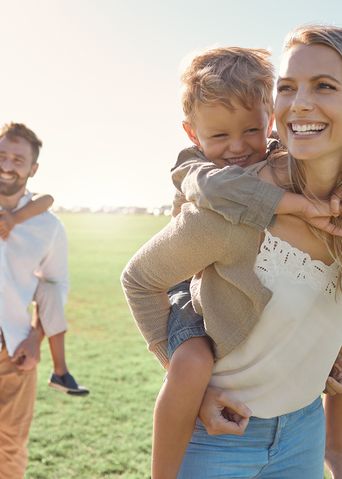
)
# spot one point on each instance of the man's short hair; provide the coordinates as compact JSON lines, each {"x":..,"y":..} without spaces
{"x":227,"y":74}
{"x":19,"y":130}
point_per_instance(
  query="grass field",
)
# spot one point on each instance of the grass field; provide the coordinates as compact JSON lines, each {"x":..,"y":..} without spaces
{"x":106,"y":434}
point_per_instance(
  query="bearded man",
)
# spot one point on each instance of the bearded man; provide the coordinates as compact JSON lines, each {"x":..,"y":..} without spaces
{"x":35,"y":250}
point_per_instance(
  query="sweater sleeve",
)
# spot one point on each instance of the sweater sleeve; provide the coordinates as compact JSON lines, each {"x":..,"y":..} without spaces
{"x":234,"y":193}
{"x":184,"y":247}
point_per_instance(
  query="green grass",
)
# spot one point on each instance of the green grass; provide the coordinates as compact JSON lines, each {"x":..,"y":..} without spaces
{"x":106,"y":434}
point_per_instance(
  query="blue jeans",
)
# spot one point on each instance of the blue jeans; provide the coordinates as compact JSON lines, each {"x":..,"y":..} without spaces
{"x":285,"y":447}
{"x":183,"y":322}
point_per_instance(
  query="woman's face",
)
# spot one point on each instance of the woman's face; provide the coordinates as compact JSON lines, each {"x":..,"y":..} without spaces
{"x":308,"y":107}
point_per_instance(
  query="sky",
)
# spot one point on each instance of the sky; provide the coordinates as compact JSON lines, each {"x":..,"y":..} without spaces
{"x":98,"y":81}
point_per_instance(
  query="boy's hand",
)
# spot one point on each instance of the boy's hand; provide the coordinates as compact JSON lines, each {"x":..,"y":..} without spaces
{"x":221,"y":414}
{"x":336,"y":200}
{"x":317,"y":213}
{"x":333,"y":385}
{"x":320,"y":214}
{"x":7,"y":223}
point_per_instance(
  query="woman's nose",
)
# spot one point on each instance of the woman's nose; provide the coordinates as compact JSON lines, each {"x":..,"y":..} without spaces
{"x":302,"y":101}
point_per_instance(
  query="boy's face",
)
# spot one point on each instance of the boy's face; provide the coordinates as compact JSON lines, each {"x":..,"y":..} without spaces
{"x":230,"y":136}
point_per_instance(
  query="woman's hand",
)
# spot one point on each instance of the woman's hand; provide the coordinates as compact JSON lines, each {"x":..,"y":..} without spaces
{"x":221,"y":414}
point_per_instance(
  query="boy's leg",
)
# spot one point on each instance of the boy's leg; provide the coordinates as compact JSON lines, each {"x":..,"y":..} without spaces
{"x":181,"y":395}
{"x":50,"y":309}
{"x":56,"y":344}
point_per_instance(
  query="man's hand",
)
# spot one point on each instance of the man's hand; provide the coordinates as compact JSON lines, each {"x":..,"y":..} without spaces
{"x":27,"y":354}
{"x":221,"y":414}
{"x":7,"y":223}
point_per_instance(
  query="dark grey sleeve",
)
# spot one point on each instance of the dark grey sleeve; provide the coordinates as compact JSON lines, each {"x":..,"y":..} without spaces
{"x":236,"y":194}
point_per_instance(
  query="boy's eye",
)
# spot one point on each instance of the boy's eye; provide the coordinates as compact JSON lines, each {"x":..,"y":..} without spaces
{"x":283,"y":88}
{"x":252,"y":130}
{"x":219,"y":135}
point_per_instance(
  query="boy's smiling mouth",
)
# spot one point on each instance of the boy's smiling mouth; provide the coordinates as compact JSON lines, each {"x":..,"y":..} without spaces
{"x":237,"y":160}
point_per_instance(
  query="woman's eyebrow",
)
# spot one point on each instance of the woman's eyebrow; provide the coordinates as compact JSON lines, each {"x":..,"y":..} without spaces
{"x":314,"y":78}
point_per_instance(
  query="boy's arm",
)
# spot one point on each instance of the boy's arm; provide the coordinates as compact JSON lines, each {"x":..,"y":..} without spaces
{"x":39,"y":204}
{"x":333,"y":452}
{"x":244,"y":198}
{"x":8,"y":219}
{"x":238,"y":196}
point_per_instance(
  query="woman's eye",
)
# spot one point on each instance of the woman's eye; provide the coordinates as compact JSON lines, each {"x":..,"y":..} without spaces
{"x":325,"y":86}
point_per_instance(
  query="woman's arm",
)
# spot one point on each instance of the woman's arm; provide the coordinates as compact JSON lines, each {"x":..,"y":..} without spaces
{"x":333,"y":453}
{"x":194,"y":240}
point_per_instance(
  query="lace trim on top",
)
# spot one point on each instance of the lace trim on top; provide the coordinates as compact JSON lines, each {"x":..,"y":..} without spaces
{"x":277,"y":254}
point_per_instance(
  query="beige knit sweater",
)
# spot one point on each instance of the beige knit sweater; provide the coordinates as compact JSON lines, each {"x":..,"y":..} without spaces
{"x":229,"y":295}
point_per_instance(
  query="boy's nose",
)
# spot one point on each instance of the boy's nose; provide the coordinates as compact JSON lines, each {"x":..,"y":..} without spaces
{"x":236,"y":146}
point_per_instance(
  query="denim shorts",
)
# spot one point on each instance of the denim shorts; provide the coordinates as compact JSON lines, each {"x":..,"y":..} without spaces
{"x":183,"y":322}
{"x":284,"y":447}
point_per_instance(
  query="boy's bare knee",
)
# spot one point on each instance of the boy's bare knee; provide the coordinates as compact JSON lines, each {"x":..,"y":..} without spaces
{"x":193,"y":356}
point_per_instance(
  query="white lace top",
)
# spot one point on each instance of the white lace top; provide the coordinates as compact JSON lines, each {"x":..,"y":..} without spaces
{"x":285,"y":361}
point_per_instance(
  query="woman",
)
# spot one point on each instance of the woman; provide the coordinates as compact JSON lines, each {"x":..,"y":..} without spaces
{"x":279,"y":371}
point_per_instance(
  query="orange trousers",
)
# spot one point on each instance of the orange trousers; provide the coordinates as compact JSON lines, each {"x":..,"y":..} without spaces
{"x":17,"y":397}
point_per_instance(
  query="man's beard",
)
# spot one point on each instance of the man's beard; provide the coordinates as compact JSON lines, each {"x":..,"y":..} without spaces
{"x":10,"y":189}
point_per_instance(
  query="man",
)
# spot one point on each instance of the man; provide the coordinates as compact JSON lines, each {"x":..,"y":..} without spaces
{"x":35,"y":250}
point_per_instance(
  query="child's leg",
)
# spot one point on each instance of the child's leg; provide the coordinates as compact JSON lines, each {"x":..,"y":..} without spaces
{"x":51,"y":313}
{"x":178,"y":404}
{"x":181,"y":395}
{"x":57,"y":350}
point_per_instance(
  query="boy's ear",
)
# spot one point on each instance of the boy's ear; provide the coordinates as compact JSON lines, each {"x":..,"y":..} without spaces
{"x":270,"y":125}
{"x":191,"y":134}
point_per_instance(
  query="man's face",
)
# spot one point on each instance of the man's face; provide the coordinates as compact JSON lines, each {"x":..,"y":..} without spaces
{"x":230,"y":136}
{"x":16,"y":165}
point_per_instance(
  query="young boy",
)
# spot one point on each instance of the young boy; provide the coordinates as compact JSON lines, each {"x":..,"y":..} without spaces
{"x":46,"y":297}
{"x":227,"y":101}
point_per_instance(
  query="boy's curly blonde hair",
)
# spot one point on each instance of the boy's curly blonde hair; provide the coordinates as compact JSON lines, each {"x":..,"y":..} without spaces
{"x":227,"y":74}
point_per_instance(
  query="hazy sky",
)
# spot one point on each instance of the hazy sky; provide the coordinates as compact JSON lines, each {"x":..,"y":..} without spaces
{"x":98,"y":80}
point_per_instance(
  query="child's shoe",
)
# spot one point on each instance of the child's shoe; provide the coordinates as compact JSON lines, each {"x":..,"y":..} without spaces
{"x":67,"y":384}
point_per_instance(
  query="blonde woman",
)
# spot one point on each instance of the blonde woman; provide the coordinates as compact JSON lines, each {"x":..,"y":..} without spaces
{"x":280,"y":291}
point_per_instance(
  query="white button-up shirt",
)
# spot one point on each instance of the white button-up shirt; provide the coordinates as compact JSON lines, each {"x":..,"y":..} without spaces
{"x":35,"y":249}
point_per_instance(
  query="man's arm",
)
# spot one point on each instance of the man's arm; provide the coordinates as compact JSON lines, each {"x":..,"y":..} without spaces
{"x":27,"y":354}
{"x":52,"y":289}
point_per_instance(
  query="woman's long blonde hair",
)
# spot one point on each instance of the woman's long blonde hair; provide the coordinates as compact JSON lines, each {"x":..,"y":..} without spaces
{"x":330,"y":36}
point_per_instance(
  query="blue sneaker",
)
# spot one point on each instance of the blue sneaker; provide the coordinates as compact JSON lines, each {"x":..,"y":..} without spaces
{"x":67,"y":384}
